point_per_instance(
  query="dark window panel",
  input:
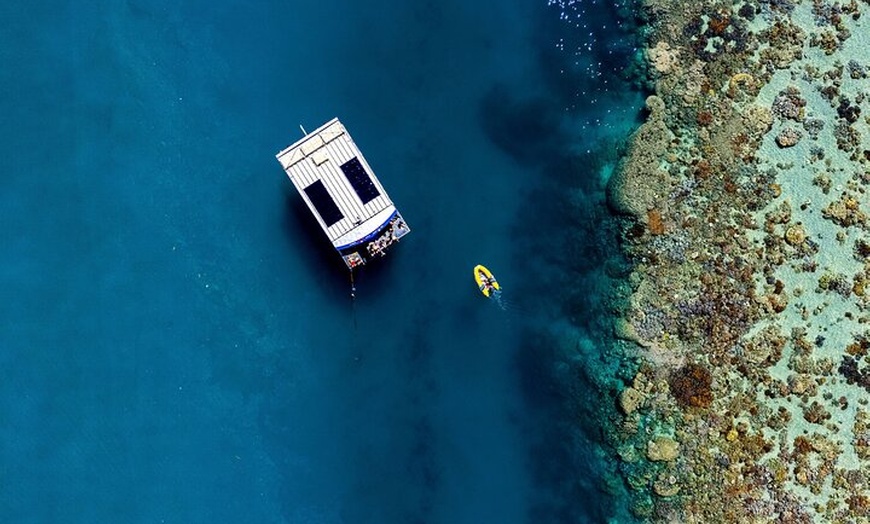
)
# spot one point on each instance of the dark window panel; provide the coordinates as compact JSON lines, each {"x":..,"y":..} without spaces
{"x":359,"y":179}
{"x":319,"y":196}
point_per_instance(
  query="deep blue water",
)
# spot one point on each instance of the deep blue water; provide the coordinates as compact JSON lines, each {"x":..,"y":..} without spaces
{"x":177,"y":341}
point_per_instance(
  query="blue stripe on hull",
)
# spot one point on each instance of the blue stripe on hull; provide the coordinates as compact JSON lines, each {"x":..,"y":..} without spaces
{"x":370,"y":236}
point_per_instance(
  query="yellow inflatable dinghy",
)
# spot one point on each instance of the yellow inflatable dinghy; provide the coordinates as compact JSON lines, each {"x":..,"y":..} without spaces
{"x":485,"y":281}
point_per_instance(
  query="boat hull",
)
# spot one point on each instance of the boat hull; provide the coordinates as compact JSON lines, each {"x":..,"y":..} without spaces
{"x":487,"y":288}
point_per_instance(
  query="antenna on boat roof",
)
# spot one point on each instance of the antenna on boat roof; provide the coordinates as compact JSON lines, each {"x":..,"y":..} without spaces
{"x":304,"y":132}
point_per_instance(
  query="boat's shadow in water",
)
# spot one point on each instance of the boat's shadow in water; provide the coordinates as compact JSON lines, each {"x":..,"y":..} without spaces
{"x":321,"y":259}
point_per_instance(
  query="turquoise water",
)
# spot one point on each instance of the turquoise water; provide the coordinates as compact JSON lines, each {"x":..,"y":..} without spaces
{"x":177,"y":340}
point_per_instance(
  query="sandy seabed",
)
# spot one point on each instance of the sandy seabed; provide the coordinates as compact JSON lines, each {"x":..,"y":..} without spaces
{"x":748,"y":308}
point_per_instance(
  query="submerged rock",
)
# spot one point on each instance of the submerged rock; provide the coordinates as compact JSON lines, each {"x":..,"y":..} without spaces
{"x":662,"y":449}
{"x":666,"y":486}
{"x":795,"y":235}
{"x":639,"y":181}
{"x":627,"y":453}
{"x":788,"y":137}
{"x":845,"y":211}
{"x":663,"y":58}
{"x":655,"y":224}
{"x":789,"y":105}
{"x":691,"y":386}
{"x":630,"y":399}
{"x":625,"y":330}
{"x":758,"y":120}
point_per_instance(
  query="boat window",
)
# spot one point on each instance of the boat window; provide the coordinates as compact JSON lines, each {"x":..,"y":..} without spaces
{"x":319,"y":196}
{"x":359,"y":179}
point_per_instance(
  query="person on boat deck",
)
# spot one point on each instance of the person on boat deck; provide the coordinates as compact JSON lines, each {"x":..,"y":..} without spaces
{"x":487,"y":281}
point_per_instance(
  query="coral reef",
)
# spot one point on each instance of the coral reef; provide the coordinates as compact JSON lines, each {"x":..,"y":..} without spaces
{"x":744,"y":197}
{"x":691,"y":386}
{"x":636,"y":188}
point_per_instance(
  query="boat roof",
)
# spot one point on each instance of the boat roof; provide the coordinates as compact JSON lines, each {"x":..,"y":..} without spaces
{"x":339,"y":186}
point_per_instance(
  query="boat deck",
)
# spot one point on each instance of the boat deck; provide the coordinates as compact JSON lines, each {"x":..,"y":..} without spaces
{"x":341,"y":190}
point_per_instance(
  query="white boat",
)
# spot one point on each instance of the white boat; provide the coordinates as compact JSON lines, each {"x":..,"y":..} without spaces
{"x":343,"y":193}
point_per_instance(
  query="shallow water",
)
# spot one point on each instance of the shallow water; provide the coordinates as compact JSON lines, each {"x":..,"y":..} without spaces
{"x":178,"y":342}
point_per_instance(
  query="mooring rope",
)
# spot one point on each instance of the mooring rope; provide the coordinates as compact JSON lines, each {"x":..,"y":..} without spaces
{"x":354,"y":339}
{"x":353,"y":299}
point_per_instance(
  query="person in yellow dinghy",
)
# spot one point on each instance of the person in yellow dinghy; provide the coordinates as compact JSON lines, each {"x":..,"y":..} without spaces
{"x":486,"y":282}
